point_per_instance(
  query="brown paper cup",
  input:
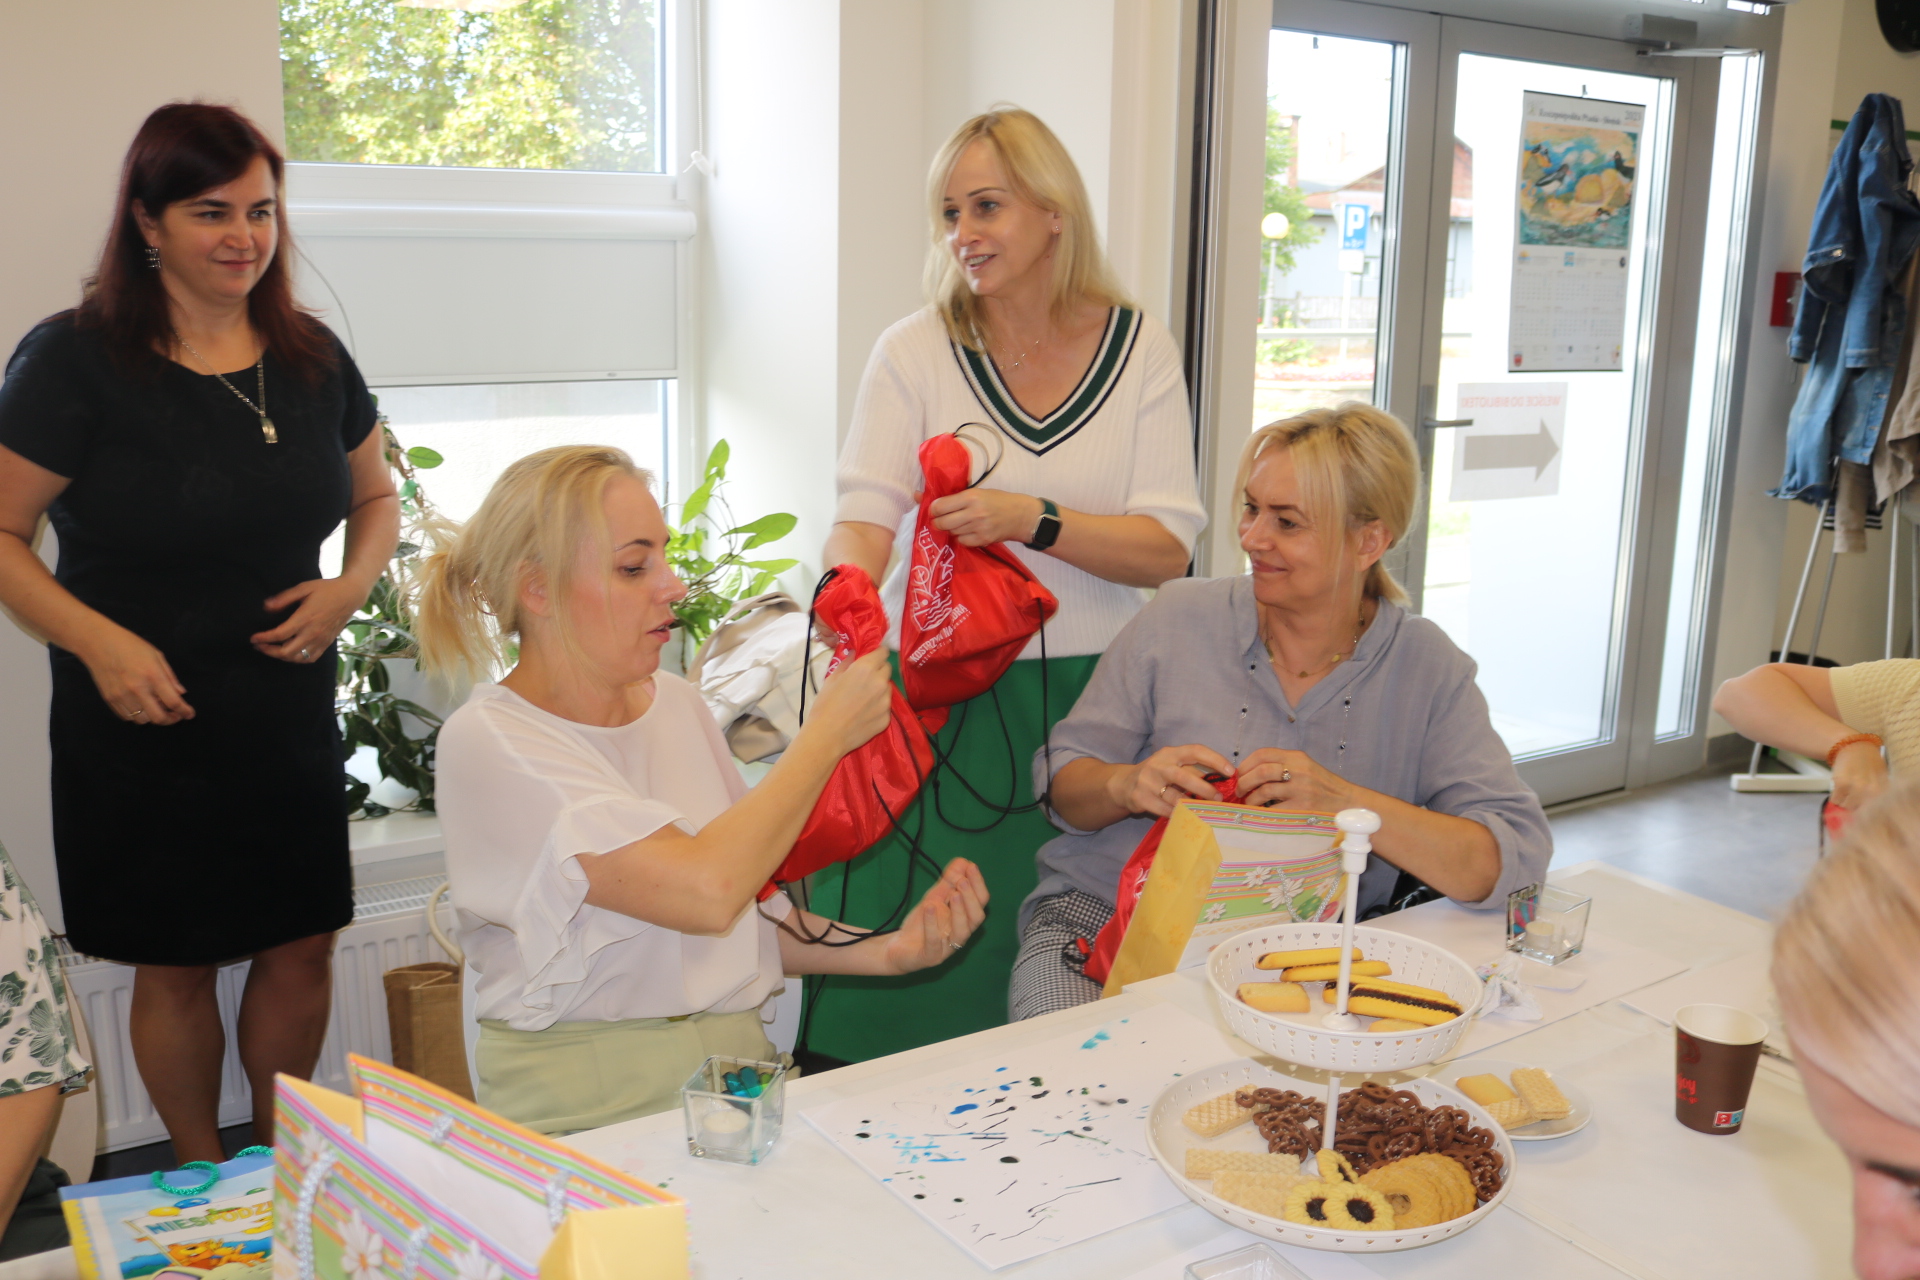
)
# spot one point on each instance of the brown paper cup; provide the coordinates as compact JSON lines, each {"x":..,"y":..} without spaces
{"x":1717,"y":1048}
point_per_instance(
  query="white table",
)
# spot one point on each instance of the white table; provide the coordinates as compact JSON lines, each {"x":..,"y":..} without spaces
{"x":1633,"y":1194}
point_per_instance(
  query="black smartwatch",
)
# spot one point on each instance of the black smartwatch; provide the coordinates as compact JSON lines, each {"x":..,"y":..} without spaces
{"x":1047,"y":532}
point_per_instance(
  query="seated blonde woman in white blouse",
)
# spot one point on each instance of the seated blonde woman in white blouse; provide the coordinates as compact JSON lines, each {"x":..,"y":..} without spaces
{"x":604,"y":853}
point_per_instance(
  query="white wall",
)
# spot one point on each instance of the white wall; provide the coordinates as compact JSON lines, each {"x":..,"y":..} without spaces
{"x":76,"y":79}
{"x":1832,"y":54}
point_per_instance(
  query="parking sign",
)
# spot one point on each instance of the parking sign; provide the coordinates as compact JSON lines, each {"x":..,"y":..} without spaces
{"x":1355,"y":219}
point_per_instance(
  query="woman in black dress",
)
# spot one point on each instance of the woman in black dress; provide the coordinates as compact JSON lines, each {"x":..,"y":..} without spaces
{"x":194,"y":437}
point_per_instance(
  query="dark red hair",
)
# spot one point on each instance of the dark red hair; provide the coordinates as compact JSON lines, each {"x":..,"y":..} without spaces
{"x":183,"y":149}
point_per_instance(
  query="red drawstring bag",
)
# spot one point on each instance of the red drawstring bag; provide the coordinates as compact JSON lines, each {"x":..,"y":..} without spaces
{"x":1133,"y":882}
{"x":872,"y":785}
{"x":969,"y":610}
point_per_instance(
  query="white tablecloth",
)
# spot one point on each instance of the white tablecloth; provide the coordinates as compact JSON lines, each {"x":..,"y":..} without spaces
{"x":1633,"y":1194}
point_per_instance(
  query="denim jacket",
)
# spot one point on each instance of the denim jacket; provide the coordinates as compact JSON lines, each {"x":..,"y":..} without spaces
{"x":1852,"y":319}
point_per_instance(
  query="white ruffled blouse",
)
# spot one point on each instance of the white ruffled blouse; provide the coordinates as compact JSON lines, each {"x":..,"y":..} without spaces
{"x":521,"y":795}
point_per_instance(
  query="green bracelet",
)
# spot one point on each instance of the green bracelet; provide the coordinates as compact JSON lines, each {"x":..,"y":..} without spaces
{"x":212,"y":1171}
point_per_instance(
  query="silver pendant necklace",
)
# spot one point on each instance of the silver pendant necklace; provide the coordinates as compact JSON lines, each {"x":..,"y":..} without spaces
{"x":267,"y":431}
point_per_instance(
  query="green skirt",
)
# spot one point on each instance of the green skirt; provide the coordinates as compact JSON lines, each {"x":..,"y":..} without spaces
{"x":989,"y":742}
{"x":586,"y":1075}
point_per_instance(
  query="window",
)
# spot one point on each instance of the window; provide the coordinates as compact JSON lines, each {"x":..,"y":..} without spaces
{"x":478,"y":430}
{"x":494,"y":84}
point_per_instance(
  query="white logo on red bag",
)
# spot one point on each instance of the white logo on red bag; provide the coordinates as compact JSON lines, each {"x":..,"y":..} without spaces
{"x":930,"y":601}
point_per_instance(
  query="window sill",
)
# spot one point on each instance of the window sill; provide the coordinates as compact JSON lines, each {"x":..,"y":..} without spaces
{"x":373,"y":841}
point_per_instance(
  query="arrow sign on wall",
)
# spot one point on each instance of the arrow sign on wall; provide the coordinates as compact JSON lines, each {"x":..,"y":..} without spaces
{"x":1503,"y":452}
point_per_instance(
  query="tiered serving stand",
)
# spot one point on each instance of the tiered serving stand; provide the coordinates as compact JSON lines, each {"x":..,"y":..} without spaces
{"x":1344,"y":1048}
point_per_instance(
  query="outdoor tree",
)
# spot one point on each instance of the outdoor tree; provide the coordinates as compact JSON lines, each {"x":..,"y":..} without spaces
{"x":543,"y":84}
{"x":1283,"y":198}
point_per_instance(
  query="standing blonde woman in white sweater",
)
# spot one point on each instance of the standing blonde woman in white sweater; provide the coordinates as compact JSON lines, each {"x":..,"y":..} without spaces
{"x":1029,"y":338}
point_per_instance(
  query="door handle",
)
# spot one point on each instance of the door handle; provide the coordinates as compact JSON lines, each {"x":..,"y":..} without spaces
{"x":1431,"y":424}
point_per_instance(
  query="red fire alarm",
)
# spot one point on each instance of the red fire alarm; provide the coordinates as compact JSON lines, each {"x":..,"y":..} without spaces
{"x":1786,"y":292}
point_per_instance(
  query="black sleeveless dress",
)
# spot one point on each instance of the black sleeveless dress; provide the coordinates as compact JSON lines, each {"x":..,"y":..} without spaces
{"x":226,"y":834}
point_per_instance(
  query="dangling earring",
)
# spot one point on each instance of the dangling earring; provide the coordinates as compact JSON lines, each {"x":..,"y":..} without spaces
{"x":153,"y":257}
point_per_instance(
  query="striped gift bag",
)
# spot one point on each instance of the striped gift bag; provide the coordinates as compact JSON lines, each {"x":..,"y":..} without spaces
{"x":393,"y":1184}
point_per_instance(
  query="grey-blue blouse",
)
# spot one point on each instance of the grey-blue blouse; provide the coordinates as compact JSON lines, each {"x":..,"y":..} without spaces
{"x":1403,"y":716}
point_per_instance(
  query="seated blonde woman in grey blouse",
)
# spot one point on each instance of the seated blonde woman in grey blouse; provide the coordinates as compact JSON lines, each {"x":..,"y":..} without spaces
{"x":1308,"y":682}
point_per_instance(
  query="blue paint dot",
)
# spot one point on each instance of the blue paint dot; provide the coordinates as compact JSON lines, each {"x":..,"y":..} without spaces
{"x":965,"y":1106}
{"x":1005,"y":1087}
{"x":999,"y":1068}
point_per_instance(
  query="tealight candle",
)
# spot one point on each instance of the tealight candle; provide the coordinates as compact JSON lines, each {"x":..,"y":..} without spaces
{"x":724,"y":1122}
{"x":1543,"y":936}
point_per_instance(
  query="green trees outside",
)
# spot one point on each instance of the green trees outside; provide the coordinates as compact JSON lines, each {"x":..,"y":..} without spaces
{"x":1285,"y":199}
{"x":542,"y":84}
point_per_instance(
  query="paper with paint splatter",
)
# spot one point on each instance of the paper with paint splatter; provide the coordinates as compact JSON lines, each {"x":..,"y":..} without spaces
{"x":1034,"y":1150}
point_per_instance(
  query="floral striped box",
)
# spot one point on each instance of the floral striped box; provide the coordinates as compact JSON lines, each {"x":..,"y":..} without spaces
{"x":1276,"y":867}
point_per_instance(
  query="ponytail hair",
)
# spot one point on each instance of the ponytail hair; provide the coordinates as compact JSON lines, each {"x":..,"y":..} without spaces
{"x":466,"y":604}
{"x":1356,"y":465}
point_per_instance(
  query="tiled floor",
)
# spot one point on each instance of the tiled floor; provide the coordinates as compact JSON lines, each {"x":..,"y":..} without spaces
{"x":1748,"y":851}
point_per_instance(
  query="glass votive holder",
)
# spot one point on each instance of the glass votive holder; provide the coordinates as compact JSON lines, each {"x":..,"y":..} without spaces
{"x":1255,"y":1262}
{"x":733,"y":1108}
{"x":1558,"y":928}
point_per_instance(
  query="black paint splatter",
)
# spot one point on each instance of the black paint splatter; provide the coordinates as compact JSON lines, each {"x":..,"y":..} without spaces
{"x":863,"y":1135}
{"x":1009,"y":1159}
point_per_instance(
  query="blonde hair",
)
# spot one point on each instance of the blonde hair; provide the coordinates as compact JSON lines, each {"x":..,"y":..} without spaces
{"x":1040,"y":172}
{"x":1844,"y":961}
{"x":467,"y":592}
{"x":1356,"y":464}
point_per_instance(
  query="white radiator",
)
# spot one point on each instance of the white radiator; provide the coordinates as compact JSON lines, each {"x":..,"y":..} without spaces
{"x":388,"y":930}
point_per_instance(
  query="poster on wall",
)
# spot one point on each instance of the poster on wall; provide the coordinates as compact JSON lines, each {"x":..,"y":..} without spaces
{"x":1513,"y":448}
{"x":1573,"y":233}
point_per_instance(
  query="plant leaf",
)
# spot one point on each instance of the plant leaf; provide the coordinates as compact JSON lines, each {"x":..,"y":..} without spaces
{"x":695,"y":504}
{"x":717,"y":461}
{"x":421,"y":456}
{"x":771,"y":566}
{"x":768,"y":528}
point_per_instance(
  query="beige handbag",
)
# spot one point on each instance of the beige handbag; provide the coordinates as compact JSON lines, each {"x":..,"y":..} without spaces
{"x":423,"y":1014}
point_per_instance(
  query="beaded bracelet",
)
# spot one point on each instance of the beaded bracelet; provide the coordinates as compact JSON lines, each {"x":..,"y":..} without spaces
{"x":1833,"y":752}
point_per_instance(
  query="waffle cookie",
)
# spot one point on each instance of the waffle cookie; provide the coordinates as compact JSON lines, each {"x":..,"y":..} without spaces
{"x":1216,"y":1116}
{"x":1537,"y":1089}
{"x":1263,"y":1193}
{"x":1203,"y":1163}
{"x":1510,"y":1113}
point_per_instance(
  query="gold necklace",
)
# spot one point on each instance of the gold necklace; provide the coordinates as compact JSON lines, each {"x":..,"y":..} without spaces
{"x":1360,"y":626}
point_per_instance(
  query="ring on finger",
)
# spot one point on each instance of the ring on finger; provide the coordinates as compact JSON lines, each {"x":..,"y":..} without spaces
{"x":1163,"y":790}
{"x":1286,"y":775}
{"x":305,"y":656}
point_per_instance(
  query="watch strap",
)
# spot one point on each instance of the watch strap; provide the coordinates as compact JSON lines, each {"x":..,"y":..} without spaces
{"x":1047,"y":531}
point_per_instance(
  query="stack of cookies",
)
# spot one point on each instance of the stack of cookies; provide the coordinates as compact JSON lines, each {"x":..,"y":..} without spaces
{"x":1533,"y":1097}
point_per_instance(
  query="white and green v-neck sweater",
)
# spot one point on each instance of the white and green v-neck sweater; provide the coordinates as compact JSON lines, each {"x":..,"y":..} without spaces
{"x":1122,"y":444}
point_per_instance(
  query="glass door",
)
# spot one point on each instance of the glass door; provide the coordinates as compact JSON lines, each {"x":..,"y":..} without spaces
{"x":1548,"y":275}
{"x":1496,"y":233}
